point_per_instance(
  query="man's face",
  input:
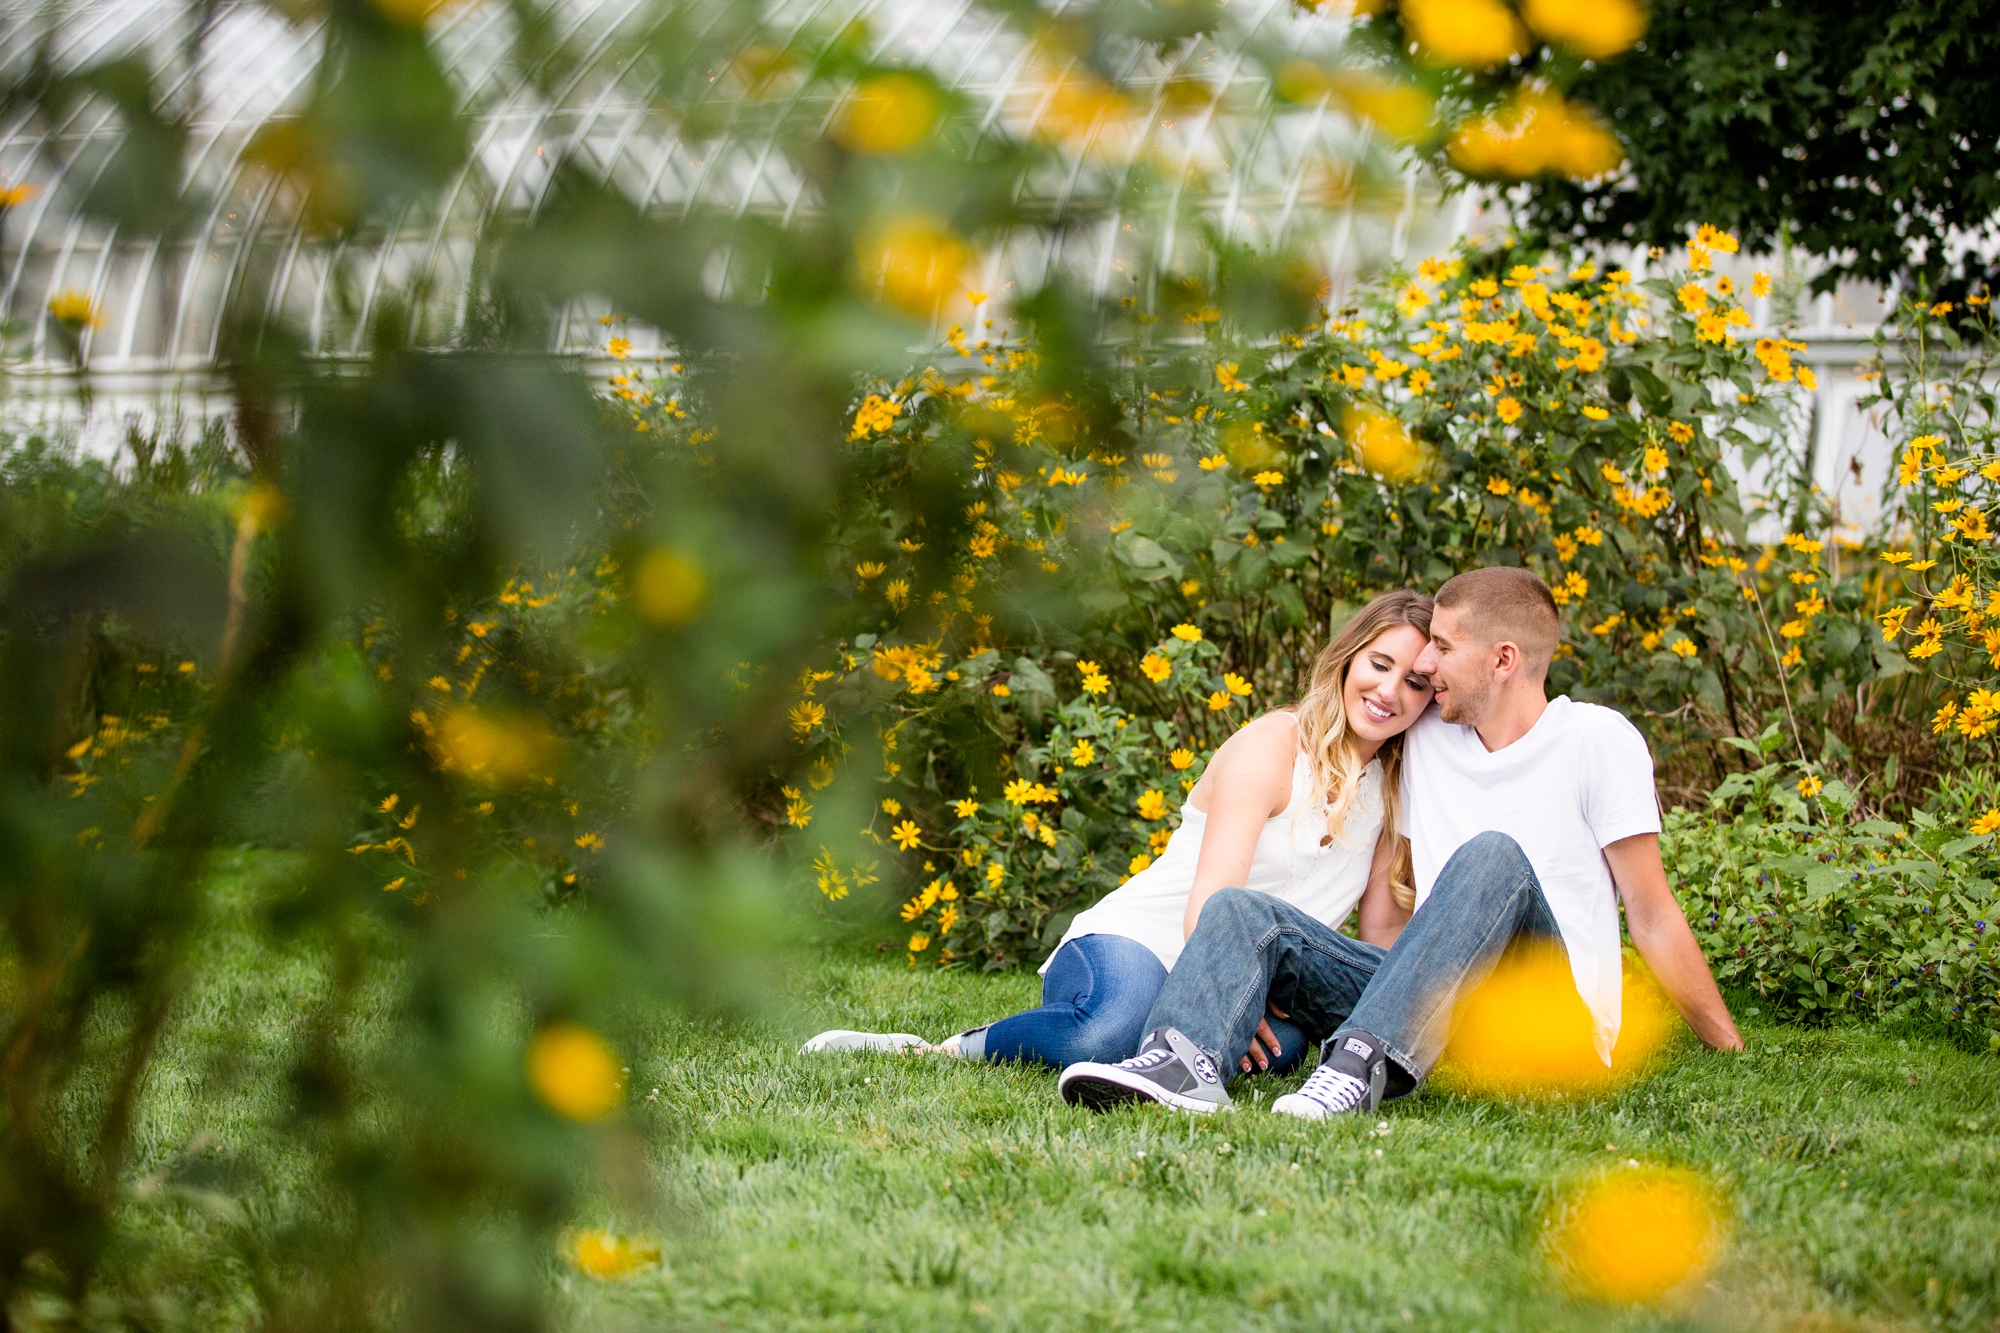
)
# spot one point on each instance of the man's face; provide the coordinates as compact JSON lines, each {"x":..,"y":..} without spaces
{"x":1461,"y":669}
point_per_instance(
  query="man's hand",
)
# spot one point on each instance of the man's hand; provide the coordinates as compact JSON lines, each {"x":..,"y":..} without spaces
{"x":1264,"y":1046}
{"x":1660,"y":930}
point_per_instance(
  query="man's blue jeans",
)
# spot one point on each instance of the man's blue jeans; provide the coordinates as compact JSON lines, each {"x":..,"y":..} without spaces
{"x":1095,"y":997}
{"x":1248,"y":947}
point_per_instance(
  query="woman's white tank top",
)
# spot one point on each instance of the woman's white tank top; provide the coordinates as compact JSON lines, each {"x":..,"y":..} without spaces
{"x":1289,"y":863}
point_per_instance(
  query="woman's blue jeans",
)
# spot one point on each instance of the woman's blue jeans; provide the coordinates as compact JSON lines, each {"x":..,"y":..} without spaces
{"x":1095,"y":998}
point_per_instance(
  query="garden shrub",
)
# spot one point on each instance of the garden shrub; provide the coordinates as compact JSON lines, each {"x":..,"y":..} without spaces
{"x":1191,"y":521}
{"x":1825,"y":915}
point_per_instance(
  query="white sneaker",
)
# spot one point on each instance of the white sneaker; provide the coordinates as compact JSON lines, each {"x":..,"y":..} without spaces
{"x":1353,"y":1070}
{"x":840,"y":1039}
{"x":1327,"y":1093}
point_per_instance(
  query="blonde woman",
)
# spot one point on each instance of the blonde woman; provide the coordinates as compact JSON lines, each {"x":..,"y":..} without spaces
{"x":1300,"y":803}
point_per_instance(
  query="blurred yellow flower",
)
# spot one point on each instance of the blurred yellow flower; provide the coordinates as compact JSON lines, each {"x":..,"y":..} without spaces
{"x":1655,"y":460}
{"x":1217,"y":701}
{"x":907,"y":835}
{"x":891,"y":807}
{"x":668,"y":587}
{"x":1635,"y":1233}
{"x":1472,"y":33}
{"x":1155,"y":667}
{"x":1181,"y":757}
{"x":574,"y":1073}
{"x":1186,"y":633}
{"x":915,"y":258}
{"x":493,"y":747}
{"x":590,"y":842}
{"x":1081,"y":753}
{"x":1499,"y":485}
{"x":1152,"y":804}
{"x":1760,"y":283}
{"x":1592,"y":28}
{"x":1236,"y":683}
{"x":1382,"y":443}
{"x":965,"y":809}
{"x":1809,"y":785}
{"x":889,"y":113}
{"x":607,"y":1255}
{"x":1987,"y":823}
{"x":74,"y":310}
{"x":1138,"y":863}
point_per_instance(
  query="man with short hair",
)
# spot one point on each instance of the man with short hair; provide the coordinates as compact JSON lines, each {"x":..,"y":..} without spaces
{"x":1528,"y":817}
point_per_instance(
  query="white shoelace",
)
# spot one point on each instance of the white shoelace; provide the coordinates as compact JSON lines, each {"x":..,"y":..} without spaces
{"x":1336,"y":1091}
{"x":1148,"y":1060}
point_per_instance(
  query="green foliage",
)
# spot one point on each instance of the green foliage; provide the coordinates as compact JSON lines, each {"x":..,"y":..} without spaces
{"x":1855,"y":132}
{"x":1824,"y":915}
{"x":1195,"y":531}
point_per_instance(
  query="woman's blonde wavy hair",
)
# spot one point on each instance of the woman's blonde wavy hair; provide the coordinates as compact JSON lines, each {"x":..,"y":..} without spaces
{"x":1328,"y":744}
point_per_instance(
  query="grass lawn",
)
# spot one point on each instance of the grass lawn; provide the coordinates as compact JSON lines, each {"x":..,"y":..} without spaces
{"x":844,"y":1192}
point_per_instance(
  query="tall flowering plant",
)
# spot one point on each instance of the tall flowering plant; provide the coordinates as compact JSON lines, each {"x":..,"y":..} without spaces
{"x":1209,"y":508}
{"x":1935,"y":366}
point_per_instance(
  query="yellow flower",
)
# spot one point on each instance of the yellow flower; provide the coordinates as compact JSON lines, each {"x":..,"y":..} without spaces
{"x":1941,"y":720}
{"x":1001,"y":690}
{"x":891,"y":806}
{"x":1187,"y":633}
{"x":1594,"y":29}
{"x":574,"y":1073}
{"x":1655,"y":461}
{"x":919,"y":943}
{"x":1693,"y":297}
{"x":805,"y":715}
{"x":1269,"y":479}
{"x":1181,"y":758}
{"x":1475,"y":34}
{"x":1987,"y":822}
{"x":1508,"y":409}
{"x":1792,"y":629}
{"x":590,"y":842}
{"x":1684,"y":647}
{"x":1081,"y":753}
{"x":619,"y":347}
{"x":1139,"y":862}
{"x":1892,"y":622}
{"x":965,"y":809}
{"x":1155,"y":667}
{"x":1760,"y":283}
{"x":74,"y":310}
{"x":1236,"y":683}
{"x":1611,"y":474}
{"x":1809,"y":785}
{"x":1094,"y":680}
{"x":1499,"y":485}
{"x":1218,"y":701}
{"x":907,"y":835}
{"x":1152,"y":805}
{"x":607,"y":1255}
{"x":1596,"y":414}
{"x":1212,"y":462}
{"x":995,"y":872}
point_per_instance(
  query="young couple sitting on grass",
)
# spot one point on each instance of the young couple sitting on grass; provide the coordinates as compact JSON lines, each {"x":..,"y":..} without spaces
{"x":1425,"y":778}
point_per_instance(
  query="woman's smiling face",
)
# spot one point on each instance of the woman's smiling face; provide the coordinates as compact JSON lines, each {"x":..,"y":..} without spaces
{"x":1384,"y":695}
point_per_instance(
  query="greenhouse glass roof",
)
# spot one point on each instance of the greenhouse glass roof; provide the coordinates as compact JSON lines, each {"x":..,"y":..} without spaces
{"x":1255,"y":169}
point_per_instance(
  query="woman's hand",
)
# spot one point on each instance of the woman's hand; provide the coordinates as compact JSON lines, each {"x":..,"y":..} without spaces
{"x":1264,"y":1046}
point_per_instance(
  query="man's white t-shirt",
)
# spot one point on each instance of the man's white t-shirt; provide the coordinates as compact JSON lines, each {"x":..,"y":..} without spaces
{"x":1580,"y":780}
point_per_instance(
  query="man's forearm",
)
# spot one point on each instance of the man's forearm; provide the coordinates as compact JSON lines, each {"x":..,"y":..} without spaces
{"x":1669,"y":948}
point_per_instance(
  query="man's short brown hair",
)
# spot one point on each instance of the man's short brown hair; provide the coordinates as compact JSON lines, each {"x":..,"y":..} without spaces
{"x":1502,"y":603}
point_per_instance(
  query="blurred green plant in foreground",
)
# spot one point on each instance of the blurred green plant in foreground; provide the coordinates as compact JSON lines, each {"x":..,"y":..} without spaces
{"x":441,"y":586}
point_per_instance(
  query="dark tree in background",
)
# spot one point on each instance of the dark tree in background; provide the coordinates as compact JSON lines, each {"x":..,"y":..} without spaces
{"x":1869,"y":132}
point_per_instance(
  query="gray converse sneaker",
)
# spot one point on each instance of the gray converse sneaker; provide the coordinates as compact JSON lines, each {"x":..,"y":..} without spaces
{"x":840,"y":1039}
{"x":1169,"y":1069}
{"x":1352,"y":1070}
